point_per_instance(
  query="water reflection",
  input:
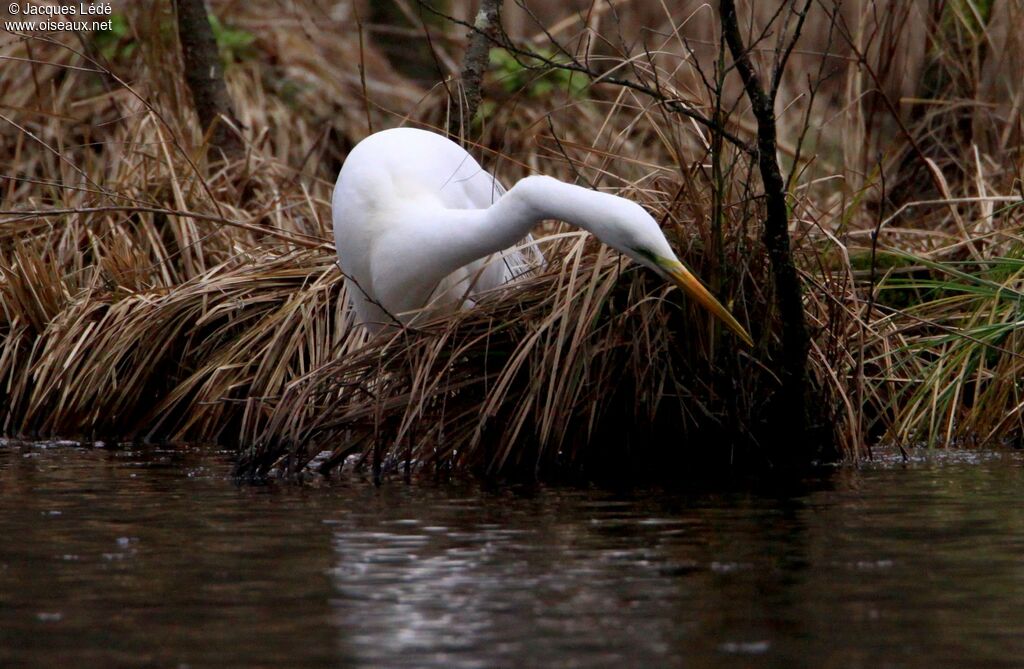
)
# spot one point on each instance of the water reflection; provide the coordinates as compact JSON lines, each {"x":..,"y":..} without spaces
{"x":157,"y":558}
{"x":517,"y":577}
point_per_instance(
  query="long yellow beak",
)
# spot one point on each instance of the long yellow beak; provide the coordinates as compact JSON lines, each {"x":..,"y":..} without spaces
{"x":692,"y":285}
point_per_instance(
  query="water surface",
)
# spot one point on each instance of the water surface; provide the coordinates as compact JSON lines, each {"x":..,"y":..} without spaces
{"x":157,"y":558}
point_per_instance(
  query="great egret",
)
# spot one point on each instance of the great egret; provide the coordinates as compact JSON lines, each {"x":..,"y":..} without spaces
{"x":417,"y":223}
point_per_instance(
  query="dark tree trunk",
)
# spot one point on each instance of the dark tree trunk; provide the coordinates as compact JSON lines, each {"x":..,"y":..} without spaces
{"x":205,"y":77}
{"x":789,"y":433}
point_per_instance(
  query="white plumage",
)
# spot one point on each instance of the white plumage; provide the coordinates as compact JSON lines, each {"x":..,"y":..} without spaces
{"x":418,"y":224}
{"x":392,"y":185}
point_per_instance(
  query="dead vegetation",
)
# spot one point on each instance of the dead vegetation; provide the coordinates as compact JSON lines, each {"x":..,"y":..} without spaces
{"x":149,"y":293}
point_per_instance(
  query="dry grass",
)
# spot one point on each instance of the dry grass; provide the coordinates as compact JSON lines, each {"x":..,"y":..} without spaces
{"x":592,"y":359}
{"x":147,"y":293}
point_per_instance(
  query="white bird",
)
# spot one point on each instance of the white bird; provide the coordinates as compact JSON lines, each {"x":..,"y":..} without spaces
{"x":417,"y":224}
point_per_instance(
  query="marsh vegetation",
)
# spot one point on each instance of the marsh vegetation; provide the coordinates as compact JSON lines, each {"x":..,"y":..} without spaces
{"x":155,"y":287}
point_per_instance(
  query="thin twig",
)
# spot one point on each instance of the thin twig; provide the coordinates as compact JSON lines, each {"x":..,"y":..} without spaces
{"x":311,"y":241}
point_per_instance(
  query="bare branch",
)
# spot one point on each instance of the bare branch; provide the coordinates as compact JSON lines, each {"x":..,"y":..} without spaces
{"x":483,"y":33}
{"x":533,"y":60}
{"x":780,"y":67}
{"x":792,"y":417}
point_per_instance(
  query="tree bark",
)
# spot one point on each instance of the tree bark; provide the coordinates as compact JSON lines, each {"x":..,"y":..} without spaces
{"x":485,"y":31}
{"x":790,"y":410}
{"x":205,"y":78}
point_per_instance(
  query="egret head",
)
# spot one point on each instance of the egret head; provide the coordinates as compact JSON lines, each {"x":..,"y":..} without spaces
{"x":632,"y":231}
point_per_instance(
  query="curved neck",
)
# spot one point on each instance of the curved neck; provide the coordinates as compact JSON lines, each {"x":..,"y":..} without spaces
{"x":471,"y":234}
{"x":539,"y":198}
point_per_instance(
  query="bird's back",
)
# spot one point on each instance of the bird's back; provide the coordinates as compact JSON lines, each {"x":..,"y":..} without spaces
{"x":412,"y":159}
{"x":402,"y":170}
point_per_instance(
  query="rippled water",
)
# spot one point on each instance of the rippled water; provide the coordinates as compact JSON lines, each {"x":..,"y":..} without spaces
{"x":157,"y":558}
